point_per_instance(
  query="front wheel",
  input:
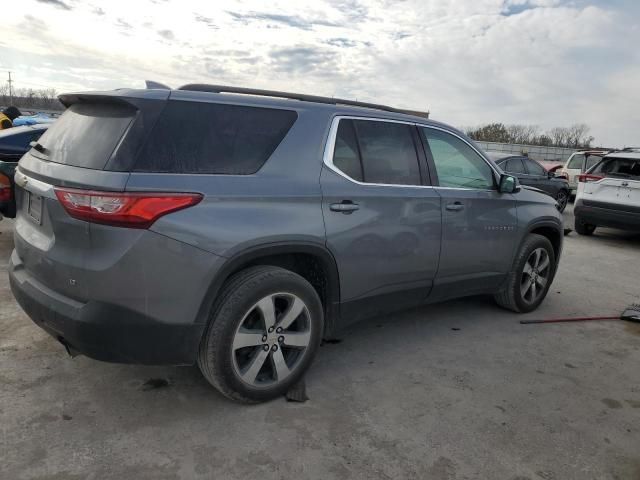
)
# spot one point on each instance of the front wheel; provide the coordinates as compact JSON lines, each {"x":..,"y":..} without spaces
{"x":531,"y":276}
{"x":562,"y":198}
{"x":263,"y":333}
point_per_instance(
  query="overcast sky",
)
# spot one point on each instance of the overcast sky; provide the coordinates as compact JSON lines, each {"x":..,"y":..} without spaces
{"x":544,"y":62}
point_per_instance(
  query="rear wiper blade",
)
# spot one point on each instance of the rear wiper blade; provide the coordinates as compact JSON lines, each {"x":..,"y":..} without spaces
{"x":39,"y":147}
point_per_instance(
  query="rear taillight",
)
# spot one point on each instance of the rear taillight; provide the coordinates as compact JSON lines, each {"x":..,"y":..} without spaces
{"x":133,"y":210}
{"x":586,"y":178}
{"x":5,"y":188}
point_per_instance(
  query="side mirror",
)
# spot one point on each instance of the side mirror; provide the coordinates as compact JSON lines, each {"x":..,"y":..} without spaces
{"x":508,"y":184}
{"x":551,"y":174}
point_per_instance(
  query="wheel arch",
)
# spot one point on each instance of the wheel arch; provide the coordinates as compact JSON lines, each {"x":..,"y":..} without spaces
{"x":312,"y":261}
{"x":550,"y":230}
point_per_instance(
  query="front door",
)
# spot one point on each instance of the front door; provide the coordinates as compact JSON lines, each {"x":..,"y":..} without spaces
{"x":382,"y":218}
{"x":478,"y":222}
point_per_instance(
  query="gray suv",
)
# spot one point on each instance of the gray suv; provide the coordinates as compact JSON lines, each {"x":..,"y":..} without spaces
{"x":236,"y":228}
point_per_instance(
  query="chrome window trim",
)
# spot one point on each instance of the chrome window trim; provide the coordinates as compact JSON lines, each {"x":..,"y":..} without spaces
{"x":331,"y":143}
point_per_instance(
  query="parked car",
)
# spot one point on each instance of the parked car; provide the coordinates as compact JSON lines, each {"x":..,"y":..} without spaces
{"x":531,"y":173}
{"x":578,"y":163}
{"x":35,"y":119}
{"x":14,"y":143}
{"x":609,"y":194}
{"x":235,"y":228}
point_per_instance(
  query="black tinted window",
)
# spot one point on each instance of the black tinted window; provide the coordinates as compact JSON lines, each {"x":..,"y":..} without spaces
{"x":86,"y":135}
{"x":619,"y":167}
{"x":193,"y":137}
{"x":513,"y":165}
{"x":534,"y":168}
{"x":591,"y":161}
{"x":388,"y":153}
{"x":345,"y":154}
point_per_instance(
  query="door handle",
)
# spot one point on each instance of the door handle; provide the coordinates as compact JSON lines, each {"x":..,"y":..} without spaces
{"x":346,"y":207}
{"x":455,"y":207}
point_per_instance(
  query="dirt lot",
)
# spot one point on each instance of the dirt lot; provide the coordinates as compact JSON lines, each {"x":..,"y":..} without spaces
{"x":459,"y":390}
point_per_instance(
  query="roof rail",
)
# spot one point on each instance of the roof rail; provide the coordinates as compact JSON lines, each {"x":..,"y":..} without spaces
{"x":201,"y":87}
{"x":630,"y":149}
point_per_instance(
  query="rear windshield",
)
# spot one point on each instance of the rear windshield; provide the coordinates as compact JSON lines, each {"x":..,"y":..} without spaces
{"x":195,"y":137}
{"x":86,"y":135}
{"x":618,"y":167}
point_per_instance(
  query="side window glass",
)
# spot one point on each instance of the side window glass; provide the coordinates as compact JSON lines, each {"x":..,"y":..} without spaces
{"x":514,"y":166}
{"x":345,"y":154}
{"x":457,"y":164}
{"x":591,"y":161}
{"x":576,"y":162}
{"x":388,"y":153}
{"x":534,"y":168}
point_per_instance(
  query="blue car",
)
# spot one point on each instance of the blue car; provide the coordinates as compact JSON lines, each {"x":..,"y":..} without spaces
{"x":14,"y":143}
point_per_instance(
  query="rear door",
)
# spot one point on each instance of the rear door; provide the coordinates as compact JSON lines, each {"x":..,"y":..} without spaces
{"x":514,"y":166}
{"x":538,"y":177}
{"x":382,"y":217}
{"x":479,"y":223}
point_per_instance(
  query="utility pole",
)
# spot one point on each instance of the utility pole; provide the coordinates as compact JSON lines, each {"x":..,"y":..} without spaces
{"x":10,"y":90}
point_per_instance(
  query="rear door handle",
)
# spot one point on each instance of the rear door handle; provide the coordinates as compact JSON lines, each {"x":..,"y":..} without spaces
{"x":346,"y":206}
{"x":455,"y":207}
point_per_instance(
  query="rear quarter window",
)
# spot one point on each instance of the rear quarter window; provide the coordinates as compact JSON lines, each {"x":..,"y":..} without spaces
{"x":209,"y":138}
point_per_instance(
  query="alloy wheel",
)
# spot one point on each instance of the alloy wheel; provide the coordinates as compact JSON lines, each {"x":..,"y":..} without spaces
{"x":271,"y":340}
{"x":562,"y":200}
{"x":535,"y":275}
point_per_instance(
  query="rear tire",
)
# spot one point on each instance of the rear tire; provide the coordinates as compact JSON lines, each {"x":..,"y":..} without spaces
{"x":263,"y":332}
{"x":530,"y":277}
{"x":584,"y":228}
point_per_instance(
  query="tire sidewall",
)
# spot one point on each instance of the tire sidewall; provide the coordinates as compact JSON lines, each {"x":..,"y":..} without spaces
{"x":535,"y":241}
{"x":233,"y":310}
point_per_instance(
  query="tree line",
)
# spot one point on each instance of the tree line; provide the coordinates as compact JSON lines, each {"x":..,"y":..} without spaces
{"x":575,"y":136}
{"x":29,"y":98}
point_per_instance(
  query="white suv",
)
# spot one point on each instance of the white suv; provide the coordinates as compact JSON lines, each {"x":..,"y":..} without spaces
{"x":578,"y":163}
{"x":609,"y":193}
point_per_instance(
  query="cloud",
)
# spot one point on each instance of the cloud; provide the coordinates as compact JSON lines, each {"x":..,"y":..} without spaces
{"x":206,"y":20}
{"x":293,"y":21}
{"x":545,"y":62}
{"x":303,"y":60}
{"x":121,"y":23}
{"x":166,"y":34}
{"x":56,"y":3}
{"x":341,"y":42}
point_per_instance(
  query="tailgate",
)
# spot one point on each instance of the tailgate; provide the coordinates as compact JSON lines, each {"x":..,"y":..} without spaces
{"x":86,"y":148}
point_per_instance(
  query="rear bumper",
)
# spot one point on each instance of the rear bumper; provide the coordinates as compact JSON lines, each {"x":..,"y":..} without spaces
{"x":104,"y":331}
{"x":606,"y":217}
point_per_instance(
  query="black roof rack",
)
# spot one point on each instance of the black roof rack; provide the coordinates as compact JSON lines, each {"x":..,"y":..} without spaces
{"x":201,"y":87}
